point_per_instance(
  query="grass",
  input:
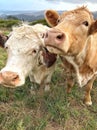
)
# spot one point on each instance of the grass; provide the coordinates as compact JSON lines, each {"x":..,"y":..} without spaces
{"x":21,"y":109}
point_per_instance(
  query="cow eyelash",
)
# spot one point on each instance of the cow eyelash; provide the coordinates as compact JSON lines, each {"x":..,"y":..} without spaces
{"x":31,"y":52}
{"x":86,"y":23}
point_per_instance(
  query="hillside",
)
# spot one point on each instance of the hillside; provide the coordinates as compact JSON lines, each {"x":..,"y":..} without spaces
{"x":28,"y":15}
{"x":23,"y":15}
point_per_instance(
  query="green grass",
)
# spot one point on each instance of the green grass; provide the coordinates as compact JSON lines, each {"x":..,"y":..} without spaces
{"x":21,"y":109}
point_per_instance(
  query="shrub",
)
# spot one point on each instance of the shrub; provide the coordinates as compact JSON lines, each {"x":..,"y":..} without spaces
{"x":8,"y":23}
{"x":42,"y":21}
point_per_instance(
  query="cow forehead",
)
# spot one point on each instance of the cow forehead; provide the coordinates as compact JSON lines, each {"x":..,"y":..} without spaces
{"x":28,"y":32}
{"x":79,"y":14}
{"x":26,"y":37}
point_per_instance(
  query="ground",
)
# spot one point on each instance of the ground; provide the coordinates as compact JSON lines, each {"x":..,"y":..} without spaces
{"x":23,"y":109}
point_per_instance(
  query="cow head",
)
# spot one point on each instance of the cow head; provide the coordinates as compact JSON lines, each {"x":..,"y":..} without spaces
{"x":69,"y":30}
{"x":24,"y":50}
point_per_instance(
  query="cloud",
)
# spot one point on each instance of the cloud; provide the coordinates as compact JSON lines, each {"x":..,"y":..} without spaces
{"x":61,"y":5}
{"x":73,"y":1}
{"x":46,"y":4}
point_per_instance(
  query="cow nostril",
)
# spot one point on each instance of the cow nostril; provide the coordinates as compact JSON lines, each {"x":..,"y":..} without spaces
{"x":15,"y":78}
{"x":60,"y":36}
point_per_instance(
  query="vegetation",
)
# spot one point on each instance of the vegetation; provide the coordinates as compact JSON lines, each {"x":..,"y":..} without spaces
{"x":43,"y":21}
{"x":8,"y":23}
{"x":24,"y":109}
{"x":12,"y":17}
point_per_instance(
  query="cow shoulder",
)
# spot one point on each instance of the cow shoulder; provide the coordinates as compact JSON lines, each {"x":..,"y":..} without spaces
{"x":91,"y":57}
{"x":93,"y":53}
{"x":89,"y":53}
{"x":51,"y":17}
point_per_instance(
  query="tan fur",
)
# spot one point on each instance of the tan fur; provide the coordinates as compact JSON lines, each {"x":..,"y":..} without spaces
{"x":51,"y":17}
{"x":93,"y":28}
{"x":78,"y":11}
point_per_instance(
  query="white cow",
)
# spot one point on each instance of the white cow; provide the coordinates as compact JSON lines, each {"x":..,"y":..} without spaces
{"x":27,"y":58}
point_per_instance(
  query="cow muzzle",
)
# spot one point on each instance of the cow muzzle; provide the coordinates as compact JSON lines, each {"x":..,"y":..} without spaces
{"x":54,"y":38}
{"x":9,"y":79}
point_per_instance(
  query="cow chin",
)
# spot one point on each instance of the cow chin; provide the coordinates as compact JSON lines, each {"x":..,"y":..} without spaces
{"x":12,"y":85}
{"x":55,"y":50}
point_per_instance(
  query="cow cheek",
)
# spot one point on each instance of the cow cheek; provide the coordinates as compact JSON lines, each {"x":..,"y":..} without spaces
{"x":18,"y":65}
{"x":66,"y":47}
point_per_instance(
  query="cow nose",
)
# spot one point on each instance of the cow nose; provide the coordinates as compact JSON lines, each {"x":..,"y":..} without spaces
{"x":9,"y":78}
{"x":54,"y":36}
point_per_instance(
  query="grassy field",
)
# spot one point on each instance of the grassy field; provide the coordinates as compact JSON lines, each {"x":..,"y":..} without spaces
{"x":21,"y":109}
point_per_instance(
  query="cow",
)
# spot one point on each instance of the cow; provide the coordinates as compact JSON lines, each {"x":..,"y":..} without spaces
{"x":27,"y":57}
{"x":73,"y":36}
{"x":3,"y":39}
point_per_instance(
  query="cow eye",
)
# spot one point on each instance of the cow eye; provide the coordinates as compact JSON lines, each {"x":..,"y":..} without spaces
{"x":42,"y":35}
{"x":34,"y":51}
{"x":58,"y":20}
{"x":86,"y":23}
{"x":6,"y":47}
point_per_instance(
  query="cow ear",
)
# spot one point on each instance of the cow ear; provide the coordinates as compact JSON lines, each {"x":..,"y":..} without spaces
{"x":93,"y":28}
{"x":51,"y":17}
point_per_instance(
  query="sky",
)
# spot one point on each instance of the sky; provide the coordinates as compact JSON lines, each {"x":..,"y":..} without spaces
{"x":36,"y":5}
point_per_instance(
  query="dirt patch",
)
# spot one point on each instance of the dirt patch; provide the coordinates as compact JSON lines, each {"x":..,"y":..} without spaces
{"x":72,"y":124}
{"x":53,"y":126}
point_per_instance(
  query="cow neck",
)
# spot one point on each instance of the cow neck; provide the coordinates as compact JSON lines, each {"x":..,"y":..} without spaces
{"x":83,"y":72}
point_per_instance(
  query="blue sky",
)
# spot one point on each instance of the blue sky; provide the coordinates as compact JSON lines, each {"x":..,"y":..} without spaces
{"x":46,"y":4}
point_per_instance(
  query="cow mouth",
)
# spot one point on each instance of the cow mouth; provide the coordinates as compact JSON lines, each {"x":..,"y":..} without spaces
{"x":54,"y":49}
{"x":10,"y":83}
{"x":48,"y":57}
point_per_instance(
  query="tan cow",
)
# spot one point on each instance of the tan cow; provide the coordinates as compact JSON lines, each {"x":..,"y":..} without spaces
{"x":26,"y":57}
{"x":74,"y":37}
